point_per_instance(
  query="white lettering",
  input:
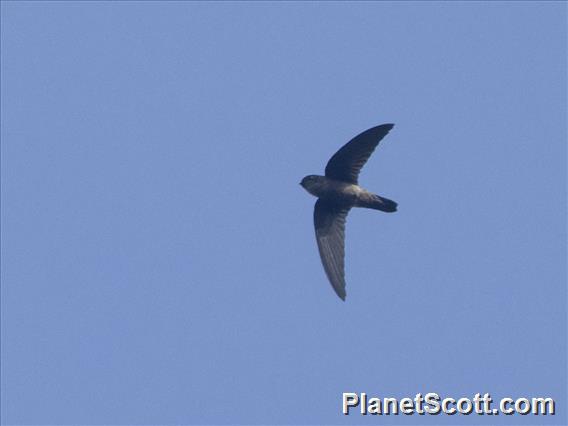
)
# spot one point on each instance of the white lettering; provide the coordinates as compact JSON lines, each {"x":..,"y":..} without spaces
{"x":432,"y":399}
{"x":406,"y":406}
{"x":349,"y":400}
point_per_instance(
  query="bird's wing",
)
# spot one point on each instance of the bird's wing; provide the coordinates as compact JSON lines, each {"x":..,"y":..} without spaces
{"x":346,"y":163}
{"x":329,"y":221}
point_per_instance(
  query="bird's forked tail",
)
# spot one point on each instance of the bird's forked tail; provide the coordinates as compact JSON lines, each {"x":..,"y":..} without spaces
{"x":374,"y":201}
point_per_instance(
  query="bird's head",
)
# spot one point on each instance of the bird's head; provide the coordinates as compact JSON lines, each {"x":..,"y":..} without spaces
{"x":312,"y":183}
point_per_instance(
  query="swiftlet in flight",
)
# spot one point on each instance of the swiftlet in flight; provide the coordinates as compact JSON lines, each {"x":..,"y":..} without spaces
{"x":338,"y":191}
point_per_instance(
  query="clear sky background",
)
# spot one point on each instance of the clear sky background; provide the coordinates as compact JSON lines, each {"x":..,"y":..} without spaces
{"x":158,"y":255}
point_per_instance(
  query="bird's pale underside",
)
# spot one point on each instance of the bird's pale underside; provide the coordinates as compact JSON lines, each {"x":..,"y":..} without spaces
{"x":338,"y":191}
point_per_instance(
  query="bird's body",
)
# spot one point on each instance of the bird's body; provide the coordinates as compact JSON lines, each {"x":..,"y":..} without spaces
{"x":344,"y":193}
{"x":323,"y":187}
{"x":338,"y":191}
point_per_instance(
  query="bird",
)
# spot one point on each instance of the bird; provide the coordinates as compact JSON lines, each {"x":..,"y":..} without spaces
{"x":337,"y":192}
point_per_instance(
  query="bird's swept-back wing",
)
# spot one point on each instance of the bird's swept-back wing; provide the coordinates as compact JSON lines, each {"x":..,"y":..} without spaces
{"x":346,"y":163}
{"x":329,"y":221}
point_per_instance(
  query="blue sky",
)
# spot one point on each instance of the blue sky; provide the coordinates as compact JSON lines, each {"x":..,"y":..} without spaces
{"x":158,"y":255}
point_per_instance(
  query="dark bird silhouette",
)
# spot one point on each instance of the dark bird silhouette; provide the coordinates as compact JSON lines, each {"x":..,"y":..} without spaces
{"x":337,"y":192}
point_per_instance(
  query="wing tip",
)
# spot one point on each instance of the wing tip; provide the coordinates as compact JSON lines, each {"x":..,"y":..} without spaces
{"x":381,"y":130}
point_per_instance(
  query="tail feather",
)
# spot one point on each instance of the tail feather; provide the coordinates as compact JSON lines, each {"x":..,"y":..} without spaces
{"x":373,"y":201}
